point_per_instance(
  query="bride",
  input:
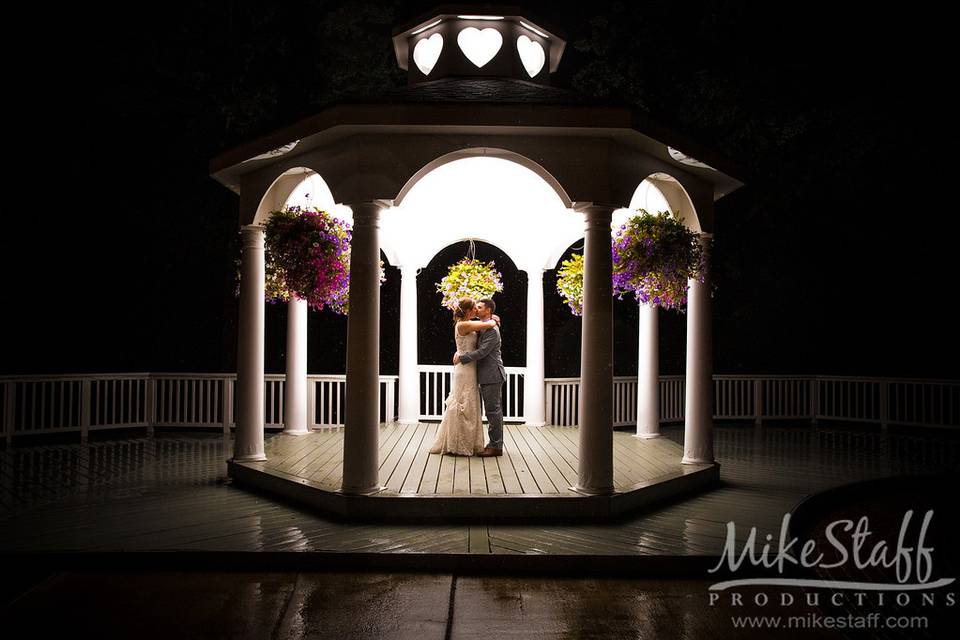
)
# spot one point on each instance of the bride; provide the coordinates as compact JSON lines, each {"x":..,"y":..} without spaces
{"x":461,"y":430}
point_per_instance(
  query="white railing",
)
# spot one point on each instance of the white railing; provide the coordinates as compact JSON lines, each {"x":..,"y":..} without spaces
{"x":924,"y":403}
{"x":562,"y":397}
{"x":89,"y":402}
{"x":435,"y":385}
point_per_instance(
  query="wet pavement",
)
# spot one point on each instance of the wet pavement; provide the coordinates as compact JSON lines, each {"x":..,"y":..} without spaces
{"x":420,"y":606}
{"x":167,"y":496}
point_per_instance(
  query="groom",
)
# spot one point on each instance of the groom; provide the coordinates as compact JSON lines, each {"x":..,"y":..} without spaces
{"x":490,"y":376}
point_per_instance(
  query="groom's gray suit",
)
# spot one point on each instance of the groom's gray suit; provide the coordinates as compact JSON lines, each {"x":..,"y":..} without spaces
{"x":490,"y":377}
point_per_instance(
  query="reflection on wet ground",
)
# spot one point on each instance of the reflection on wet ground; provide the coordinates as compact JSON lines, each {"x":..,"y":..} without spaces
{"x":377,"y":605}
{"x":171,"y":492}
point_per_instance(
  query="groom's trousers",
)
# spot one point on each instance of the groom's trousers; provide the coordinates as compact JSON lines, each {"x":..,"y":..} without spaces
{"x":492,"y":409}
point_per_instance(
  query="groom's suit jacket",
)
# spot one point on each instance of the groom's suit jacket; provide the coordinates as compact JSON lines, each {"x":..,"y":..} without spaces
{"x":487,"y":355}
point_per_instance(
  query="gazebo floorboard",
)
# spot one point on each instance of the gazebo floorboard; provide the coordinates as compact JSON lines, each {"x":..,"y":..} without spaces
{"x":533,"y":479}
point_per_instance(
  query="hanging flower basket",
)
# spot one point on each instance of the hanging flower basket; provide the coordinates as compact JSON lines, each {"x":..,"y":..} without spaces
{"x":307,"y":255}
{"x":570,"y":283}
{"x":653,"y":257}
{"x":469,"y":278}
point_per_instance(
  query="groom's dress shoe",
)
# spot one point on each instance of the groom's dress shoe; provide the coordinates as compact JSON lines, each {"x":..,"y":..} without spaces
{"x":490,"y":451}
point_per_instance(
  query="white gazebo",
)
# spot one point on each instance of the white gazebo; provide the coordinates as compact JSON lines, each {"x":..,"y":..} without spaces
{"x":477,"y":146}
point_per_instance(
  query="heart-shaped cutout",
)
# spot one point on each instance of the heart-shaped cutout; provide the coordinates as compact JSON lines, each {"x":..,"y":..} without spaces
{"x":531,"y":55}
{"x":426,"y":53}
{"x":479,"y":46}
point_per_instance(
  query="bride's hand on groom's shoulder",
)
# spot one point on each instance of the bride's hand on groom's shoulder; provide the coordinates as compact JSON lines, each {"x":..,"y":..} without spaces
{"x":496,"y":318}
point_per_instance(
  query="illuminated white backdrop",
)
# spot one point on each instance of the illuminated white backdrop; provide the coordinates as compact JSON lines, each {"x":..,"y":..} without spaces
{"x":496,"y":201}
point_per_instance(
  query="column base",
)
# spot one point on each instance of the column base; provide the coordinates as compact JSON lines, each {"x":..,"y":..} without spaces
{"x":408,"y":420}
{"x":256,"y":457}
{"x":295,"y":432}
{"x":686,"y":460}
{"x":360,"y":492}
{"x":647,"y":436}
{"x":593,"y":492}
{"x":535,"y":424}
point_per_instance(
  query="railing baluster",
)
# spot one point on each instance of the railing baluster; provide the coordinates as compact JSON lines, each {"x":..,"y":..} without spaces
{"x":43,"y":404}
{"x":566,"y":404}
{"x":339,"y":414}
{"x":176,"y":401}
{"x":323,"y":403}
{"x":85,"y":400}
{"x":33,"y":406}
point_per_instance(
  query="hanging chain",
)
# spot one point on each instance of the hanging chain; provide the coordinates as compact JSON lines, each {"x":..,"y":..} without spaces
{"x":308,"y":197}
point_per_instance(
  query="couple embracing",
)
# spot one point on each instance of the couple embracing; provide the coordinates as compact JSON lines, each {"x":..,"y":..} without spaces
{"x":478,"y":371}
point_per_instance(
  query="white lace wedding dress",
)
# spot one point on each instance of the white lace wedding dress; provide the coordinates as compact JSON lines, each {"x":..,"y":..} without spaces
{"x":461,"y":430}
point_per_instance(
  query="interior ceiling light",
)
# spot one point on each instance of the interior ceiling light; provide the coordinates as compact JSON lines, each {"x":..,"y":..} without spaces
{"x":534,"y":29}
{"x":422,"y":29}
{"x":273,"y":153}
{"x":683,"y":158}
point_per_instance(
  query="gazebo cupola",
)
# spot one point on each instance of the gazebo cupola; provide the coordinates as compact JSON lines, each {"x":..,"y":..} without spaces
{"x":499,"y":42}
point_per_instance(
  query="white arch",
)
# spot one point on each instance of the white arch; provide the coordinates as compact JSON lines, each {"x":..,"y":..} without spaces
{"x":660,"y":192}
{"x":485,"y":152}
{"x":489,"y":198}
{"x":300,"y":186}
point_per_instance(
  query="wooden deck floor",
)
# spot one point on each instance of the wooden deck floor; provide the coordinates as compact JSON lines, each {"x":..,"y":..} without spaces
{"x":171,"y":492}
{"x":535,"y":461}
{"x":532,"y":480}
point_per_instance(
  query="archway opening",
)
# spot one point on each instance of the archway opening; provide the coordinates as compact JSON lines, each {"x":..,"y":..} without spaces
{"x":435,"y":326}
{"x":302,"y":187}
{"x":495,"y":199}
{"x":660,"y":192}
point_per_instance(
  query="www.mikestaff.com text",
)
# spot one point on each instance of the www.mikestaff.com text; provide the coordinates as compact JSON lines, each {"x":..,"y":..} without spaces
{"x":815,"y":621}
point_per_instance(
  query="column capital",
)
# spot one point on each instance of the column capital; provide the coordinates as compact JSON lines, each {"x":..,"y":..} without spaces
{"x":367,"y":212}
{"x":595,"y":207}
{"x":252,"y":236}
{"x":596,"y":214}
{"x":705,"y":240}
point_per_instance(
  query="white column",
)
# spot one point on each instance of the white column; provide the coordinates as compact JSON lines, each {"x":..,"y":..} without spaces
{"x":295,"y":392}
{"x":248,"y":443}
{"x":595,"y":468}
{"x":409,"y":407}
{"x":698,"y":423}
{"x":648,"y":374}
{"x":361,"y":429}
{"x":533,"y":410}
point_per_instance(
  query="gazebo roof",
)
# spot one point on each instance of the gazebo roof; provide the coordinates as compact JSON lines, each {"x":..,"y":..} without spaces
{"x":498,"y":90}
{"x":458,"y":96}
{"x":466,"y":105}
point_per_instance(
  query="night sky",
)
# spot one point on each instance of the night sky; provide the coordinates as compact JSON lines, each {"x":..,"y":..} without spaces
{"x":836,"y":258}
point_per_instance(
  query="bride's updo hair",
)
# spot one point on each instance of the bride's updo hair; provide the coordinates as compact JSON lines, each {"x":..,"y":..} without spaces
{"x":463,"y":308}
